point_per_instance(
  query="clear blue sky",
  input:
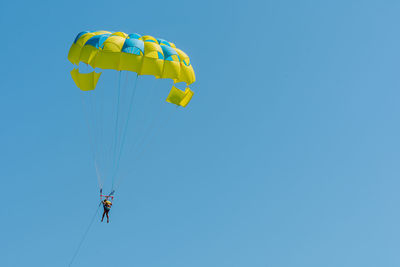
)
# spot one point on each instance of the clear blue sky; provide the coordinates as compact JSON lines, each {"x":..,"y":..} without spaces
{"x":293,"y":137}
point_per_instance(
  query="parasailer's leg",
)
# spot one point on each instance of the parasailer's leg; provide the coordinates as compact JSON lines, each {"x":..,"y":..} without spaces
{"x":103,"y":215}
{"x":108,"y":219}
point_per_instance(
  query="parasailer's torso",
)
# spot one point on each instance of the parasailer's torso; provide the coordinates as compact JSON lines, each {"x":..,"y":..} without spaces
{"x":107,"y":205}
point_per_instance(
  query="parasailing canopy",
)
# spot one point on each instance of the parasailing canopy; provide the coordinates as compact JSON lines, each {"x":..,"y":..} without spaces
{"x":144,"y":55}
{"x":121,"y":117}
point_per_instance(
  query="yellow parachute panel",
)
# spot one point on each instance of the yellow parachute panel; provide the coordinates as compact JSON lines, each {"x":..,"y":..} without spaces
{"x":85,"y":81}
{"x":178,"y":97}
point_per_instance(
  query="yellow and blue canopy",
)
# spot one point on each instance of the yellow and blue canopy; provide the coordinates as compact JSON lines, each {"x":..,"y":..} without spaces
{"x":144,"y":55}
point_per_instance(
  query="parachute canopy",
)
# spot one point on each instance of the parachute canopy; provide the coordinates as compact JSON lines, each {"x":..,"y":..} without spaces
{"x":144,"y":55}
{"x":122,"y":112}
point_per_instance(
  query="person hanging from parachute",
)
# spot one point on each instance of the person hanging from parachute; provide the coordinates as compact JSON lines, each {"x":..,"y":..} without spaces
{"x":106,"y":205}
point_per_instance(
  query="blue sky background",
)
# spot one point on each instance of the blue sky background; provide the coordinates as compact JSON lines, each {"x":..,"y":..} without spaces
{"x":288,"y":154}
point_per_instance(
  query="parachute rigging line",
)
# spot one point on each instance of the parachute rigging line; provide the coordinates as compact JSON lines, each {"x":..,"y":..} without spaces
{"x":116,"y":120}
{"x":146,"y":138}
{"x":84,"y":236}
{"x":133,"y":147}
{"x":124,"y":130}
{"x":92,"y":145}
